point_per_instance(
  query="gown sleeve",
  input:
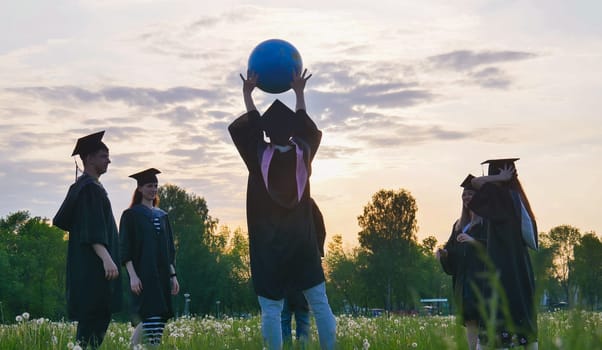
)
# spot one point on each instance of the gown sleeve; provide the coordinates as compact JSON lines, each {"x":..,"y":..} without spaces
{"x":449,"y":263}
{"x":246,"y":133}
{"x":125,"y":237}
{"x":307,"y":130}
{"x":492,"y":202}
{"x":170,"y":242}
{"x":92,"y":226}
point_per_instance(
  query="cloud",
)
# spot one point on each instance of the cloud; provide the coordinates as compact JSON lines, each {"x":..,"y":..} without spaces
{"x":490,"y":77}
{"x":337,"y":151}
{"x":463,"y":60}
{"x":410,"y":135}
{"x":131,"y":96}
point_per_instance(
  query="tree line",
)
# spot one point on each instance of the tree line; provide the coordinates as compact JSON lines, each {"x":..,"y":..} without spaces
{"x":388,"y":270}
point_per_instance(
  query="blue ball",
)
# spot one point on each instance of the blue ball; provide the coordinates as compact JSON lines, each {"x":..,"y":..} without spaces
{"x":275,"y":61}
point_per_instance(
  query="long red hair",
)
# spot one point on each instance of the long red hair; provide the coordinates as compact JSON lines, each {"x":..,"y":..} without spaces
{"x":137,"y":198}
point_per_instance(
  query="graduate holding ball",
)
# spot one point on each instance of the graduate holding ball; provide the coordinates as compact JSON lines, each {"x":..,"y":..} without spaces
{"x":283,"y":220}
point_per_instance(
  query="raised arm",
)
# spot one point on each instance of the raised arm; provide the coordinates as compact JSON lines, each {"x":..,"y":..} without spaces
{"x":506,"y":174}
{"x":248,"y":85}
{"x":298,"y":86}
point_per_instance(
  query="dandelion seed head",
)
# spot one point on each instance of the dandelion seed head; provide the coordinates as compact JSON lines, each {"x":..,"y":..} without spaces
{"x":414,"y":345}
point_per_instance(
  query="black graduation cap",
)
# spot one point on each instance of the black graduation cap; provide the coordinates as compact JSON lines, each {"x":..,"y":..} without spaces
{"x":467,"y":183}
{"x":496,"y":164}
{"x":89,"y":144}
{"x":146,"y":176}
{"x":278,"y":122}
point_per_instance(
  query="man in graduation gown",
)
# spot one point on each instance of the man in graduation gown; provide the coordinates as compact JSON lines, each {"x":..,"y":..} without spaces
{"x":93,"y":283}
{"x":285,"y":228}
{"x":498,"y":200}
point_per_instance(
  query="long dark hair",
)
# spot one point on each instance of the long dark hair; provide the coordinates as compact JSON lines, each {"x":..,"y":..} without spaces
{"x":515,"y":185}
{"x":465,"y":216}
{"x":137,"y":198}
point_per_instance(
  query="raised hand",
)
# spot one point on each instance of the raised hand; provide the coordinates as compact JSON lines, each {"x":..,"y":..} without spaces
{"x":507,"y":173}
{"x":299,"y":80}
{"x":250,"y":82}
{"x":248,"y":85}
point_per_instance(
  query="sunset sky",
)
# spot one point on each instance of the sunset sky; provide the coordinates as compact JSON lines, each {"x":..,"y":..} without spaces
{"x":408,"y":94}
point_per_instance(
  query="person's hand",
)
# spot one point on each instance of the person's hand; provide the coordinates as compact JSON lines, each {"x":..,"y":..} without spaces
{"x":463,"y":237}
{"x":135,"y":285}
{"x":299,"y":80}
{"x":249,"y":83}
{"x":441,"y":253}
{"x":111,"y":271}
{"x":507,"y":173}
{"x":175,"y":286}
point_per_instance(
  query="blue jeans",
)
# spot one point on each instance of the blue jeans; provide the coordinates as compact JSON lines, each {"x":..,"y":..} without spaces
{"x":271,"y":326}
{"x":301,"y":322}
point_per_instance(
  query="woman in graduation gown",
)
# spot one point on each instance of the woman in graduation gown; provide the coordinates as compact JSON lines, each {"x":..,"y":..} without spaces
{"x":284,"y":227}
{"x":511,"y":228}
{"x":462,"y":258}
{"x":148,"y":253}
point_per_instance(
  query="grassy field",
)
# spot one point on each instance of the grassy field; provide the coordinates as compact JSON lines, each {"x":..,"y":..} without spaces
{"x":559,"y":330}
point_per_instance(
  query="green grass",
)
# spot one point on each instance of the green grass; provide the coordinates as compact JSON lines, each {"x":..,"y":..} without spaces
{"x":571,"y":330}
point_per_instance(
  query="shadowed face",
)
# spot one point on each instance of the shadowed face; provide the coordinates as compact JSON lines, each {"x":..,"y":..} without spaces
{"x":467,"y":196}
{"x":98,"y":161}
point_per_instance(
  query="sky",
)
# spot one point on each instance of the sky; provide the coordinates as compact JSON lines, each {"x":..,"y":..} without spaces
{"x":409,"y":95}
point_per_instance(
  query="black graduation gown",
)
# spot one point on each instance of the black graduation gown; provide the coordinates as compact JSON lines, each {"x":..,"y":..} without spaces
{"x":510,"y":257}
{"x":151,"y":251}
{"x":283,"y":232}
{"x":465,"y":264}
{"x":87,"y":215}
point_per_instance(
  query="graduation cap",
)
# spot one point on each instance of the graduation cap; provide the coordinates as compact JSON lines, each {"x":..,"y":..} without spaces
{"x":89,"y":144}
{"x":278,"y":122}
{"x":496,"y":164}
{"x":467,"y":183}
{"x":146,"y":176}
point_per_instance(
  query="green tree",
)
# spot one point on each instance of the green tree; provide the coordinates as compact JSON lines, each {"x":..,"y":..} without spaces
{"x":195,"y":262}
{"x":563,"y":240}
{"x":32,"y":254}
{"x":587,"y":269}
{"x":546,"y":281}
{"x":344,"y":285}
{"x":429,"y":244}
{"x":388,"y":235}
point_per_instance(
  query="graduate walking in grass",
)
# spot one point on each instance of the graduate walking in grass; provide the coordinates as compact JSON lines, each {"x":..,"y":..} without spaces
{"x":511,"y":229}
{"x":93,"y":284}
{"x":148,"y":253}
{"x":462,"y":259}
